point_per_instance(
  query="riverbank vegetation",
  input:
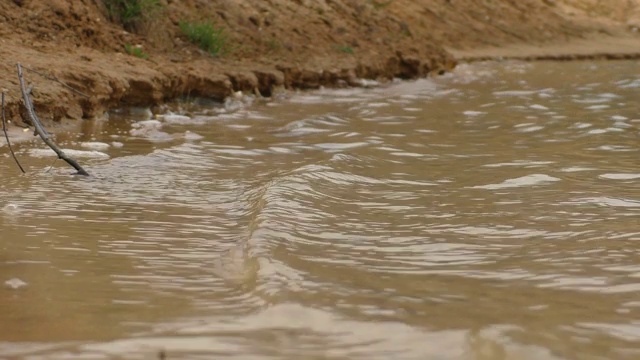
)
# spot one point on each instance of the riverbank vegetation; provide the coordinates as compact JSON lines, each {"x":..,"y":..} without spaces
{"x":135,"y":51}
{"x":206,"y":35}
{"x":133,"y":14}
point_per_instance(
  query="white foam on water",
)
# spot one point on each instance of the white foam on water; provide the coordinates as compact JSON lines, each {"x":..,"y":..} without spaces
{"x":367,"y":83}
{"x":529,"y":129}
{"x":15,"y":283}
{"x":619,"y":118}
{"x":597,"y":131}
{"x":581,"y":125}
{"x":538,"y":107}
{"x":176,"y":119}
{"x":94,"y":145}
{"x":378,"y":104}
{"x":631,"y":85}
{"x":280,"y":150}
{"x":597,"y":107}
{"x":622,"y":125}
{"x":69,"y":152}
{"x":619,"y":176}
{"x":340,"y":146}
{"x":11,"y":209}
{"x":191,"y":136}
{"x":524,"y":163}
{"x":576,"y":169}
{"x":150,"y":130}
{"x":609,"y":201}
{"x":407,"y":154}
{"x":591,"y":101}
{"x":147,"y":124}
{"x":529,"y":180}
{"x":472,"y":113}
{"x":515,"y":93}
{"x":619,"y":148}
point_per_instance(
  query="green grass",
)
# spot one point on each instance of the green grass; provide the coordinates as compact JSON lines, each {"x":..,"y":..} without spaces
{"x":207,"y":36}
{"x":273,"y":44}
{"x":345,"y":49}
{"x":132,"y":13}
{"x":380,"y":4}
{"x":136,"y":51}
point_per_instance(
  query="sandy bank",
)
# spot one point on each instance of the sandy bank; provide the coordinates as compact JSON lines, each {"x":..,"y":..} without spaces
{"x":595,"y":47}
{"x":275,"y":44}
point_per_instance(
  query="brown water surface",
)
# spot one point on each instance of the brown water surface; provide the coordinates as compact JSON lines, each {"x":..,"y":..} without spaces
{"x":488,"y":214}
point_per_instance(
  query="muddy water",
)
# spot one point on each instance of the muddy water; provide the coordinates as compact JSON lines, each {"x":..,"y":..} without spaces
{"x":488,"y":214}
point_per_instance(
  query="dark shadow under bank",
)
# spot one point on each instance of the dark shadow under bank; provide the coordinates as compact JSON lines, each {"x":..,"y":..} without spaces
{"x":559,"y":57}
{"x":160,"y":85}
{"x":113,"y":88}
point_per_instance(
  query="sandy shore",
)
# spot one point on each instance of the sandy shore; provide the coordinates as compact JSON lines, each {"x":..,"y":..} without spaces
{"x":276,"y":44}
{"x":597,"y":47}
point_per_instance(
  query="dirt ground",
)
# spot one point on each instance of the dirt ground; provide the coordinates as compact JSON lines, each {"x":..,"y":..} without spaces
{"x":275,"y":44}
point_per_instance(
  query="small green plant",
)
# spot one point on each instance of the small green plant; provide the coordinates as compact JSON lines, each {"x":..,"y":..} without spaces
{"x":380,"y":4}
{"x":132,"y":13}
{"x":273,"y":44}
{"x":136,"y":51}
{"x":206,"y":35}
{"x":345,"y":49}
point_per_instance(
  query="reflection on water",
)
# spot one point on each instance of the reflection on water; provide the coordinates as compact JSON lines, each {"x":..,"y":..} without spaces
{"x":487,"y":214}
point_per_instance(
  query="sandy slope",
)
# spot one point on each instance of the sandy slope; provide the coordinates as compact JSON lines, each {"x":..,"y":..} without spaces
{"x":285,"y":43}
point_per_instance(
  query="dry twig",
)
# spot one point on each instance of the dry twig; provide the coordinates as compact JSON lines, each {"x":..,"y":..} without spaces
{"x":53,"y":78}
{"x":40,"y":129}
{"x":6,"y":135}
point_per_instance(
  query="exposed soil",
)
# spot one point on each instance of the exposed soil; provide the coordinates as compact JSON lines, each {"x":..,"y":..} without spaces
{"x":284,"y":44}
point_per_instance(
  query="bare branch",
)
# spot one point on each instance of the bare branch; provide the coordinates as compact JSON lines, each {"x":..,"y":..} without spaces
{"x":53,"y":78}
{"x":40,"y":129}
{"x":6,"y":135}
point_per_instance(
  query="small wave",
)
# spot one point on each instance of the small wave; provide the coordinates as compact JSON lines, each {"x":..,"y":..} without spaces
{"x":472,"y":113}
{"x":608,"y":201}
{"x":97,"y":146}
{"x":597,"y":107}
{"x":71,"y":152}
{"x":523,"y":163}
{"x":619,"y":176}
{"x":538,"y":107}
{"x":11,"y":209}
{"x":15,"y":283}
{"x":150,"y":130}
{"x":515,"y":93}
{"x":235,"y":264}
{"x":176,"y":119}
{"x":529,"y":180}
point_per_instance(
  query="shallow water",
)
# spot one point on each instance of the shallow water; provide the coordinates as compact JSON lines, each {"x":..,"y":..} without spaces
{"x":487,"y":214}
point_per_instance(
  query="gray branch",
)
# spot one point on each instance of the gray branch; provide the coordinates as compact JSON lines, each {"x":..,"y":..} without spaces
{"x":40,"y":129}
{"x":6,"y":135}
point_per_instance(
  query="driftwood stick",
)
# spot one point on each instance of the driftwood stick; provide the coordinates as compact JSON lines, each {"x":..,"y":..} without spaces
{"x":6,"y":135}
{"x":53,"y":78}
{"x":40,"y":129}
